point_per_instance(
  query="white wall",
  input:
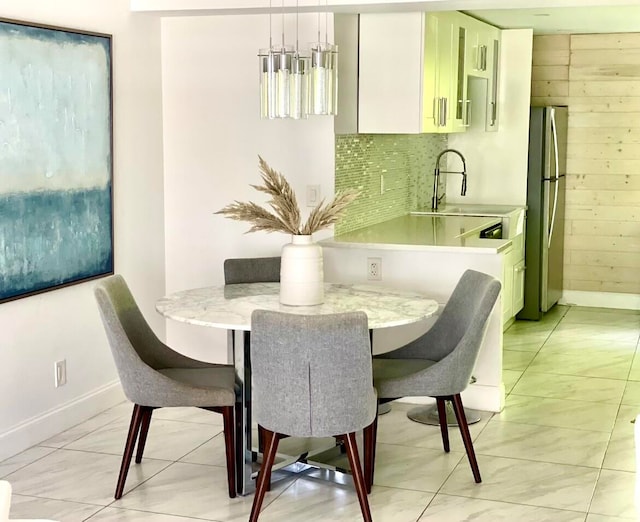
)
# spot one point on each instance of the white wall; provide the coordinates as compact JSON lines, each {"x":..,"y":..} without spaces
{"x":497,"y":161}
{"x":212,"y":137}
{"x":64,"y":324}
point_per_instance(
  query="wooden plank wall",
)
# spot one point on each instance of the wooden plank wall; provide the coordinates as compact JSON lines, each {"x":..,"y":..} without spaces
{"x":598,"y":77}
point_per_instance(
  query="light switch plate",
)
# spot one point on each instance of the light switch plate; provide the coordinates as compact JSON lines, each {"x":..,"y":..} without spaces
{"x":313,"y":195}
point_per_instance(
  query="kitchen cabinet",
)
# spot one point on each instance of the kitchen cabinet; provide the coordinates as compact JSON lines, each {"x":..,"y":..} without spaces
{"x":414,"y":69}
{"x":513,"y":280}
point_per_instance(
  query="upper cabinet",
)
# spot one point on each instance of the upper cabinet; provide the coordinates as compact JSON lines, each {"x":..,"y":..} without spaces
{"x":414,"y":71}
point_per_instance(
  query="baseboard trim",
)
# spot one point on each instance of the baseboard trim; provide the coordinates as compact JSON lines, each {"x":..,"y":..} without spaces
{"x":601,"y":299}
{"x":44,"y":426}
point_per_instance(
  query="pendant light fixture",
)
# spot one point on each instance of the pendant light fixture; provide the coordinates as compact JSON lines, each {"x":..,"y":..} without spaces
{"x":324,"y":73}
{"x":284,"y":91}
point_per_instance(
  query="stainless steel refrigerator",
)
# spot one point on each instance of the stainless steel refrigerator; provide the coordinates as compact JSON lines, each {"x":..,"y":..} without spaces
{"x":544,"y":234}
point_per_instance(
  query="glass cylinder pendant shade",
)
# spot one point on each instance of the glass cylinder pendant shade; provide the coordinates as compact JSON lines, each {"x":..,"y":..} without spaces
{"x":324,"y":79}
{"x":299,"y":88}
{"x":283,"y":84}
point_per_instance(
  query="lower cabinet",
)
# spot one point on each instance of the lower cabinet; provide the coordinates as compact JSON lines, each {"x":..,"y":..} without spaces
{"x":513,"y":280}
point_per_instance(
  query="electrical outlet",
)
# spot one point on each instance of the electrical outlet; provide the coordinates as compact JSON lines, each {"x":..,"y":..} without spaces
{"x":60,"y":376}
{"x":374,"y":269}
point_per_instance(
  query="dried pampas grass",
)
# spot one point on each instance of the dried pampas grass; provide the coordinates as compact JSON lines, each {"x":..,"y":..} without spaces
{"x":286,"y":212}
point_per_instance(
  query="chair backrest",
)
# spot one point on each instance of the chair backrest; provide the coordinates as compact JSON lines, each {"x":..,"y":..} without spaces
{"x":456,"y":337}
{"x":312,"y":374}
{"x":463,"y":323}
{"x":137,"y":352}
{"x":252,"y":270}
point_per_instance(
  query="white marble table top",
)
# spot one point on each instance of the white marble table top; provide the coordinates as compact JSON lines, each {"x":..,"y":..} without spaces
{"x":230,"y":306}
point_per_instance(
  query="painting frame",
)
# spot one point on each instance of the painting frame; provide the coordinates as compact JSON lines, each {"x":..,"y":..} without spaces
{"x":56,"y":158}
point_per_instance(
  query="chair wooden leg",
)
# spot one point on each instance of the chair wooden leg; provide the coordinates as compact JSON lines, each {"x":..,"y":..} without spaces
{"x":369,"y":436}
{"x":358,"y":477}
{"x":466,"y":436}
{"x":229,"y":445}
{"x":134,"y":427}
{"x":144,"y":431}
{"x":442,"y":417}
{"x":264,"y":476}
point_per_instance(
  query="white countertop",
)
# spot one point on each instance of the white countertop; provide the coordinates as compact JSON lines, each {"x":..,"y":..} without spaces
{"x":424,"y":232}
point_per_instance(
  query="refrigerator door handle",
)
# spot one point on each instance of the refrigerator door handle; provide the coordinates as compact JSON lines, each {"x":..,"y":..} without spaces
{"x":554,"y":132}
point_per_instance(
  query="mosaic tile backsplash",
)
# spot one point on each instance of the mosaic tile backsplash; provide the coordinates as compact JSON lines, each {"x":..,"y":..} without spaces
{"x":394,"y":173}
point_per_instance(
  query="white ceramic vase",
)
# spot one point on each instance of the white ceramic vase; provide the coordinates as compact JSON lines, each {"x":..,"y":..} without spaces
{"x":301,"y":273}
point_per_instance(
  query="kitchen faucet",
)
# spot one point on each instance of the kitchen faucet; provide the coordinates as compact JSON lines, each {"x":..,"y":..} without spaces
{"x":436,"y":177}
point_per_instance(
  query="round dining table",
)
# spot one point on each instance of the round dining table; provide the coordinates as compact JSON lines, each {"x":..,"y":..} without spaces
{"x":230,"y":307}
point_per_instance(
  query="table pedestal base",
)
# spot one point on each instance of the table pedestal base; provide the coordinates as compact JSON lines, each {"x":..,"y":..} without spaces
{"x":429,"y":415}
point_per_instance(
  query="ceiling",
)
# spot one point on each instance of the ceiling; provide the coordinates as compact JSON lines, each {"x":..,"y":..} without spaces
{"x":554,"y":20}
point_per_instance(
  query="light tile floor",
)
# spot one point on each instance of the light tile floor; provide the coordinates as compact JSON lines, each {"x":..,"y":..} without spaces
{"x":561,"y":451}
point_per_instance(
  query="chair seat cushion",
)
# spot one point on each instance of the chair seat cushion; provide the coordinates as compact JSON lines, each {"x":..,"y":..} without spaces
{"x":214,"y":386}
{"x":394,"y":378}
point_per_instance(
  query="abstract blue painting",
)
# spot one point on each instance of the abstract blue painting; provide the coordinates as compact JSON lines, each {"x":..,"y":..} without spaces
{"x":56,"y":198}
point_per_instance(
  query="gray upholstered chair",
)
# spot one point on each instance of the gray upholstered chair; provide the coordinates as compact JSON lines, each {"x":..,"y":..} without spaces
{"x":155,"y":376}
{"x":312,"y":378}
{"x":439,"y":363}
{"x":252,"y":270}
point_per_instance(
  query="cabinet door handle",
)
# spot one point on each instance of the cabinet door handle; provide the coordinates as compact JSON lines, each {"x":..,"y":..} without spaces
{"x":483,"y":58}
{"x":494,"y":112}
{"x":442,"y":112}
{"x":466,"y":119}
{"x":520,"y":269}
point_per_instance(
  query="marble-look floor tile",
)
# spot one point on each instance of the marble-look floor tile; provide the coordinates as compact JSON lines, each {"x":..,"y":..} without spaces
{"x":596,"y":332}
{"x":621,"y":452}
{"x":447,"y":508}
{"x":569,"y":387}
{"x":586,"y":346}
{"x":614,"y":494}
{"x":307,"y":501}
{"x":396,"y":428}
{"x":543,"y":443}
{"x":605,"y":365}
{"x":516,"y":360}
{"x":25,"y":507}
{"x":192,"y":490}
{"x":632,"y":394}
{"x":130,"y":515}
{"x":117,"y":413}
{"x":604,"y":316}
{"x":197,"y":415}
{"x":420,"y":469}
{"x":22,"y":459}
{"x":79,"y":476}
{"x":531,"y":328}
{"x":523,"y":342}
{"x":211,"y":453}
{"x":634,"y":372}
{"x":592,"y":416}
{"x":167,"y":440}
{"x":510,"y":378}
{"x":541,"y":484}
{"x":593,"y":517}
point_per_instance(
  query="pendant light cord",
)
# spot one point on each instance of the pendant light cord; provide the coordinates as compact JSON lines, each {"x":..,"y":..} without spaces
{"x":270,"y":35}
{"x":282,"y":8}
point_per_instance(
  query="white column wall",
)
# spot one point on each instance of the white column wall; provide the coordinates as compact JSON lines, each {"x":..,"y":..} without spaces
{"x":64,"y":324}
{"x":213,"y":135}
